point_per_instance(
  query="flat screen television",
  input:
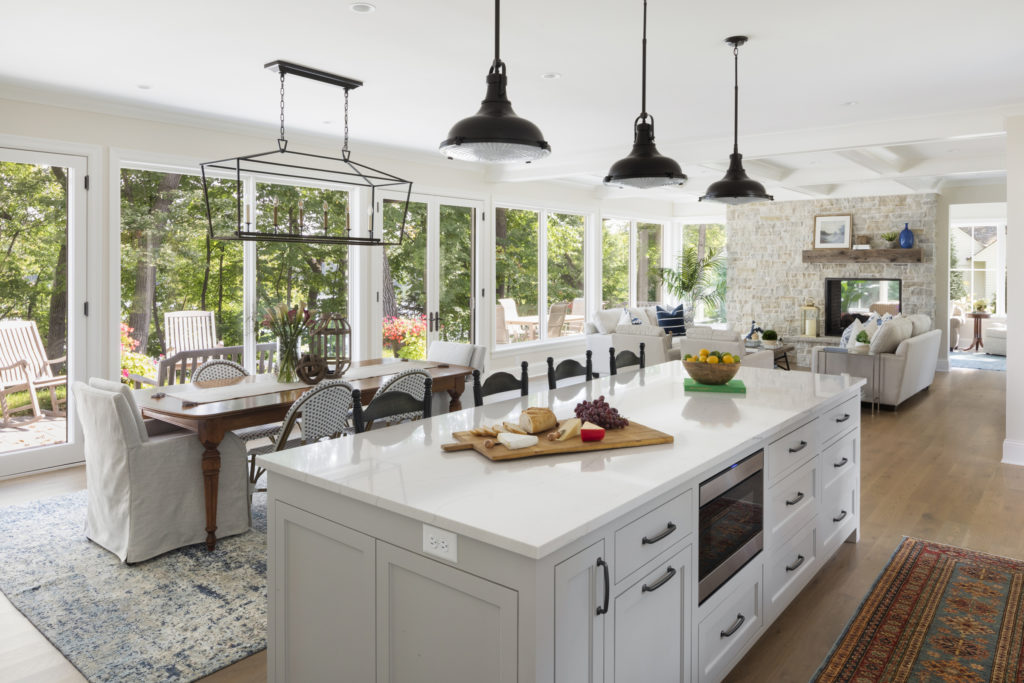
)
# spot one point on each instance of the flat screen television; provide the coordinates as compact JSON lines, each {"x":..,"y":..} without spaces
{"x":847,"y":299}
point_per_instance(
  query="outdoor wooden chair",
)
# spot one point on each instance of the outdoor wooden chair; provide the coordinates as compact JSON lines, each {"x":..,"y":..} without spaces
{"x":177,"y":369}
{"x":498,"y":383}
{"x":625,"y":359}
{"x":25,"y":367}
{"x":570,"y":368}
{"x":406,"y":398}
{"x":556,"y":319}
{"x":189,"y":331}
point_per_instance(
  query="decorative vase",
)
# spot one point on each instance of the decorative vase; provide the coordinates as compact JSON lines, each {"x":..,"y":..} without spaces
{"x":892,"y":245}
{"x":287,"y":361}
{"x":906,"y":237}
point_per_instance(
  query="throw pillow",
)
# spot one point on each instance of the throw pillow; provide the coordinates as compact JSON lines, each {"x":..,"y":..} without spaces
{"x":850,"y":334}
{"x":921,"y":322}
{"x":671,"y":320}
{"x":890,"y":335}
{"x":605,"y":321}
{"x":652,"y":315}
{"x":635,"y":316}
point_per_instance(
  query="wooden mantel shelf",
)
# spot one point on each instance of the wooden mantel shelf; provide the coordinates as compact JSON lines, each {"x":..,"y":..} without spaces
{"x":912,"y":255}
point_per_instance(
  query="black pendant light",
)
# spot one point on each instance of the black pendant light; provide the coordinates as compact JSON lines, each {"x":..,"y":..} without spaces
{"x":495,"y":133}
{"x":736,"y":187}
{"x":644,"y":167}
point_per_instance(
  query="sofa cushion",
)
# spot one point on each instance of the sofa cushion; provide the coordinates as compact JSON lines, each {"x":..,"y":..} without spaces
{"x":605,"y":321}
{"x":921,"y":322}
{"x":589,"y":328}
{"x":699,"y":332}
{"x":639,"y":330}
{"x":652,"y":314}
{"x":671,"y":320}
{"x":891,"y":334}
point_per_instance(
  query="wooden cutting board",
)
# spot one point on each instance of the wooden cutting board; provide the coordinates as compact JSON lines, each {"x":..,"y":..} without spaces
{"x":632,"y":435}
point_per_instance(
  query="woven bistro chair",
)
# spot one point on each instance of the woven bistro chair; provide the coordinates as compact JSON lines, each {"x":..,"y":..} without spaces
{"x":625,"y":359}
{"x":570,"y":368}
{"x":498,"y":383}
{"x":407,"y":399}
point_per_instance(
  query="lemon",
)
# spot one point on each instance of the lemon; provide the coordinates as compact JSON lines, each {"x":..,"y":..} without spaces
{"x":704,"y":352}
{"x":713,"y":360}
{"x":688,"y":357}
{"x":728,"y":360}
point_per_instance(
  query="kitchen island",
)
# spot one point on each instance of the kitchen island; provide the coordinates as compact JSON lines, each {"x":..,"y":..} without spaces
{"x":391,"y":560}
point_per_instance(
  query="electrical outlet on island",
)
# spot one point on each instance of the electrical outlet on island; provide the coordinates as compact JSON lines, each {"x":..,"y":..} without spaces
{"x":441,"y":543}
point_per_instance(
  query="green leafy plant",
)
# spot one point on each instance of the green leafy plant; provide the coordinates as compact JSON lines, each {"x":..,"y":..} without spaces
{"x":890,"y":236}
{"x":770,"y":335}
{"x":980,"y":305}
{"x":694,"y":279}
{"x":863,"y":337}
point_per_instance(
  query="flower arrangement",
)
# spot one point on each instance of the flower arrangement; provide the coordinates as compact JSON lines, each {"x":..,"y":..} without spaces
{"x":133,"y":363}
{"x":980,"y":306}
{"x":407,"y":337}
{"x":288,"y":325}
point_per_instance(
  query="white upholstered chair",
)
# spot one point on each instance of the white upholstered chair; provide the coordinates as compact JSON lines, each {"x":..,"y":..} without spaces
{"x":145,"y":487}
{"x":472,"y":355}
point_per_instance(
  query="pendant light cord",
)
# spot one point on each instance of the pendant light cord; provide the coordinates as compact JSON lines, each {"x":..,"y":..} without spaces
{"x":643,"y":70}
{"x":498,"y":66}
{"x":736,"y":100}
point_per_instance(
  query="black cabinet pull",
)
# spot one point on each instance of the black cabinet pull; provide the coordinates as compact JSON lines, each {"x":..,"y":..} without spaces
{"x":735,"y":627}
{"x":844,"y":418}
{"x":839,"y":464}
{"x":668,"y":530}
{"x":799,"y":561}
{"x":840,"y":517}
{"x":799,"y":497}
{"x":607,"y":587}
{"x":803,"y":445}
{"x":660,"y":582}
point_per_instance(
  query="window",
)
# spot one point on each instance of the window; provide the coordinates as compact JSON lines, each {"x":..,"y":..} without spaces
{"x":631,"y":254}
{"x":516,"y":242}
{"x":648,"y":260}
{"x":708,"y":240}
{"x":614,"y":263}
{"x":405,"y":282}
{"x":565,"y":300}
{"x":977,"y":270}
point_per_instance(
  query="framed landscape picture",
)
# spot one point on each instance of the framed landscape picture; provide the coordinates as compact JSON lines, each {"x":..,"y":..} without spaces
{"x":833,"y":232}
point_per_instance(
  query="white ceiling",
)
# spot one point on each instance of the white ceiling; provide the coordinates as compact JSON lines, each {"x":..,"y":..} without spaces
{"x":931,"y":81}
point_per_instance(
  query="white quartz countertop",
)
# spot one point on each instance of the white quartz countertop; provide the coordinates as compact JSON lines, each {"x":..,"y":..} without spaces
{"x":535,"y":506}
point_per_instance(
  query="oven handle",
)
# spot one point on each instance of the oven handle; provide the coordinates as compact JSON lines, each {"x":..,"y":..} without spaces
{"x":660,"y":582}
{"x":730,"y":477}
{"x":607,"y":587}
{"x":735,"y":627}
{"x":650,"y":541}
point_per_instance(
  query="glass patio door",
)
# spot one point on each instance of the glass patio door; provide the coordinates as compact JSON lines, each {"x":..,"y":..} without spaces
{"x":42,"y":318}
{"x":428,"y":281}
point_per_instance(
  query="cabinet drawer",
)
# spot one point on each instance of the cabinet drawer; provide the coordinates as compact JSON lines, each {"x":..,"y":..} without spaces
{"x":839,"y":508}
{"x":840,"y":458}
{"x":647,"y":537}
{"x":722,"y":635}
{"x":789,"y":569}
{"x":787,"y":453}
{"x":839,"y":420}
{"x":791,"y":504}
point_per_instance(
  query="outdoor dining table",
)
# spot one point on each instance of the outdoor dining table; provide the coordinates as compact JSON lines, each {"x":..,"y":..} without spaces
{"x":211,"y":409}
{"x":532,"y":322}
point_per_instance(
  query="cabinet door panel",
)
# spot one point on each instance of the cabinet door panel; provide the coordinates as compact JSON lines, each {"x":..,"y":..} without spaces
{"x":579,"y":629}
{"x":439,"y":623}
{"x":323,"y":594}
{"x":648,"y":625}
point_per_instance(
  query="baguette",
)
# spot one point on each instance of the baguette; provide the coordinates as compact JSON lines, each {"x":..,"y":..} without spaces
{"x":536,"y":420}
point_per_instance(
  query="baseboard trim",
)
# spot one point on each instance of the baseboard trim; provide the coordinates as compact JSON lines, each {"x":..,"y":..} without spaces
{"x":1013,"y":452}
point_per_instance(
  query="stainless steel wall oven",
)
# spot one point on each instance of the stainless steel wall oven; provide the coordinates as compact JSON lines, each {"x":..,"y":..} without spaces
{"x":731,"y":522}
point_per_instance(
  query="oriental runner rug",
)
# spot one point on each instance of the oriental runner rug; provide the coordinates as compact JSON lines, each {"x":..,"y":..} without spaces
{"x":936,"y":613}
{"x":177,"y":617}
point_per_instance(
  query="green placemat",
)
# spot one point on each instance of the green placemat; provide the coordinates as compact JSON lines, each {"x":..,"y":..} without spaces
{"x":733,"y":386}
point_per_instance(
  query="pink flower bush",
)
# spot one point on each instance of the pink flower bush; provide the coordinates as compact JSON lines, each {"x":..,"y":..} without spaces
{"x":407,"y":337}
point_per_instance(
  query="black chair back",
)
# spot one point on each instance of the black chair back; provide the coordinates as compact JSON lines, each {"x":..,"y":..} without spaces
{"x":499,"y":382}
{"x":390,"y":404}
{"x":569,"y":368}
{"x":625,"y":359}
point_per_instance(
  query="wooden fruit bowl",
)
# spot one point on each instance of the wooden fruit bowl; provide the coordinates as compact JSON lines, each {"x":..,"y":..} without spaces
{"x":708,"y":373}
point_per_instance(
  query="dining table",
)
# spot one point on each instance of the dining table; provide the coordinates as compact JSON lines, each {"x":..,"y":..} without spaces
{"x":211,"y":409}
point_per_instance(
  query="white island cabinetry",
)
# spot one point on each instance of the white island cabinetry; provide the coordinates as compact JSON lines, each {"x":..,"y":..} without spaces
{"x":390,"y":560}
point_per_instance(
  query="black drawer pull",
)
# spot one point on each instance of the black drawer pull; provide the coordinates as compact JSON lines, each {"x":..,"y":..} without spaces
{"x":792,"y":567}
{"x":660,"y":582}
{"x":844,"y":418}
{"x":668,"y":530}
{"x":839,"y":464}
{"x":799,"y":497}
{"x":840,"y":517}
{"x":607,"y":587}
{"x":803,"y":445}
{"x":735,"y":627}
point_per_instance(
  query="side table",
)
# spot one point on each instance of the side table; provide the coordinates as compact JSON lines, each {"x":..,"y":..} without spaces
{"x":976,"y":344}
{"x":876,"y":371}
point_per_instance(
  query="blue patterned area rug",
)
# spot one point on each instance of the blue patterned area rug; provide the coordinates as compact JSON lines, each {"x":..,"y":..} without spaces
{"x":977,"y":361}
{"x":177,"y":617}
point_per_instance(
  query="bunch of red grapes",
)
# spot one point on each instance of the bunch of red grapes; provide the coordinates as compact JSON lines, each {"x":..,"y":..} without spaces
{"x":601,"y":414}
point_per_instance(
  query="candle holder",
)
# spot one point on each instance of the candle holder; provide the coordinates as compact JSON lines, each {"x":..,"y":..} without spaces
{"x":809,"y":318}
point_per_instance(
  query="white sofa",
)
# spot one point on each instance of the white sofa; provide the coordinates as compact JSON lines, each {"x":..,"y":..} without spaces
{"x":904,"y":372}
{"x":993,"y":335}
{"x":611,"y":329}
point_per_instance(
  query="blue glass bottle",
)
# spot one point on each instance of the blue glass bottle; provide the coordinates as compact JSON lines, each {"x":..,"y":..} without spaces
{"x":906,"y":237}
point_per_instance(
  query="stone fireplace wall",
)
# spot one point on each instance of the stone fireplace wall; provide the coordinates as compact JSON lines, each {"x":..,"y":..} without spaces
{"x":769,"y":282}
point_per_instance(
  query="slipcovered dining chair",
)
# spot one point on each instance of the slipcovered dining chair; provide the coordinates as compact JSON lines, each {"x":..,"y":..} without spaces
{"x":321,"y":413}
{"x":570,"y":368}
{"x":454,"y":353}
{"x":222,"y":368}
{"x":625,"y":359}
{"x":145,"y":480}
{"x":500,"y":382}
{"x":407,"y":397}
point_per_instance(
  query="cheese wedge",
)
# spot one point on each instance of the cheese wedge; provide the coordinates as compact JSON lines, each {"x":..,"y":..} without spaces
{"x":517,"y":441}
{"x":569,"y":428}
{"x":591,"y":432}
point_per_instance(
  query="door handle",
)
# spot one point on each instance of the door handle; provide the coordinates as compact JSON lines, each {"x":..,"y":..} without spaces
{"x":607,"y":587}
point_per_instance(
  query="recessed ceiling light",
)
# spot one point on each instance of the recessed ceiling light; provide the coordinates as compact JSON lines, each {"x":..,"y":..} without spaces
{"x":850,"y":103}
{"x":362,"y":7}
{"x":327,"y":123}
{"x":144,"y":86}
{"x":952,"y":150}
{"x":551,"y":75}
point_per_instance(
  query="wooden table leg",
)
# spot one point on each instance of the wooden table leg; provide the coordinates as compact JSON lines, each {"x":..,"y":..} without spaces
{"x":211,"y":438}
{"x":455,"y":403}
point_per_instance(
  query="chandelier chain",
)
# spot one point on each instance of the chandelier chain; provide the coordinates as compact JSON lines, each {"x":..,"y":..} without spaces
{"x":282,"y":105}
{"x":344,"y":147}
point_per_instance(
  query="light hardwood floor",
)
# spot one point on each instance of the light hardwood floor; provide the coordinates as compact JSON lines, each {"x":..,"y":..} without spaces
{"x":930,"y":470}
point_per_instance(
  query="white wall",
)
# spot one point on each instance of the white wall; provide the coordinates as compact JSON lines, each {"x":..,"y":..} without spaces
{"x":1013,"y":446}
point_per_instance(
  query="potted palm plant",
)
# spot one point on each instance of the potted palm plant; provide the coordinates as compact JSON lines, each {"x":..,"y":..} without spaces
{"x":695,"y":279}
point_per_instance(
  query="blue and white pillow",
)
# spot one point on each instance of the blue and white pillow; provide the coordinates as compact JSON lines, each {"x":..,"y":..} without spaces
{"x":672,"y":320}
{"x":633,"y":320}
